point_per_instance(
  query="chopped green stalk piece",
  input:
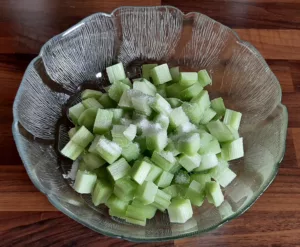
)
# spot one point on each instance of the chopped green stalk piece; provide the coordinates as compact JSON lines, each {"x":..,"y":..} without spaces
{"x":119,"y":169}
{"x":102,"y":172}
{"x":103,"y":121}
{"x":131,"y":151}
{"x":102,"y":191}
{"x":190,"y":162}
{"x":136,"y":222}
{"x":164,"y":160}
{"x":75,"y":111}
{"x":116,"y":90}
{"x":175,"y":168}
{"x":146,"y":69}
{"x":93,"y":161}
{"x":106,"y":101}
{"x":202,"y":99}
{"x":232,"y":118}
{"x":172,"y":190}
{"x":193,"y":111}
{"x":154,"y":173}
{"x":196,"y":193}
{"x":82,"y":137}
{"x":140,"y":170}
{"x":208,"y":161}
{"x":207,"y":116}
{"x":144,"y":86}
{"x":125,"y":100}
{"x":117,"y":115}
{"x":91,"y":103}
{"x":164,"y":180}
{"x":175,"y":74}
{"x":130,"y":132}
{"x":181,"y":177}
{"x":214,"y":193}
{"x":116,"y":206}
{"x":174,"y":102}
{"x":160,"y":105}
{"x":146,"y":192}
{"x":163,"y":120}
{"x":188,"y":78}
{"x":220,"y":131}
{"x":141,"y":140}
{"x":125,"y":189}
{"x":189,"y":143}
{"x":141,"y":104}
{"x":160,"y":74}
{"x":171,"y":148}
{"x":191,"y":91}
{"x":135,"y":212}
{"x":161,"y":89}
{"x":108,"y":150}
{"x":218,"y":106}
{"x":72,"y":150}
{"x":223,"y":175}
{"x":116,"y":72}
{"x":72,"y":132}
{"x":127,"y":82}
{"x":116,"y":213}
{"x":161,"y":200}
{"x":93,"y":146}
{"x":89,"y":93}
{"x":180,"y":210}
{"x":123,"y":134}
{"x":204,"y":78}
{"x":178,"y":117}
{"x":148,"y":210}
{"x":84,"y":182}
{"x":233,"y":150}
{"x":157,"y":140}
{"x":201,"y":178}
{"x":174,"y":90}
{"x":87,"y":118}
{"x":212,"y":147}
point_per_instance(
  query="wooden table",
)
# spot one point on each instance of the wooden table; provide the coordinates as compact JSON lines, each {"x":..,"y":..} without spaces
{"x":28,"y":219}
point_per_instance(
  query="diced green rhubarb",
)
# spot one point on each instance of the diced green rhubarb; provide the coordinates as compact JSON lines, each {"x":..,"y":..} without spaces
{"x":161,"y":89}
{"x":160,"y":105}
{"x":82,"y":137}
{"x":72,"y":150}
{"x":172,"y":190}
{"x":141,"y":140}
{"x":178,"y":117}
{"x":127,"y":82}
{"x":232,"y":118}
{"x":188,"y":143}
{"x":190,"y":162}
{"x":140,"y":170}
{"x":91,"y":103}
{"x":125,"y":189}
{"x":201,"y":178}
{"x":116,"y":90}
{"x":89,"y":93}
{"x":136,"y":222}
{"x":116,"y":206}
{"x":87,"y":118}
{"x":119,"y":169}
{"x":233,"y":150}
{"x":146,"y":70}
{"x":146,"y":192}
{"x":180,"y":210}
{"x":84,"y":182}
{"x":181,"y":177}
{"x":188,"y":78}
{"x":211,"y":147}
{"x":202,"y":99}
{"x":106,"y":101}
{"x":196,"y":193}
{"x":157,"y":140}
{"x":191,"y":91}
{"x":204,"y":78}
{"x":102,"y":172}
{"x":93,"y":161}
{"x":223,"y":175}
{"x":148,"y":210}
{"x":175,"y":74}
{"x":207,"y":116}
{"x":162,"y":200}
{"x":116,"y":72}
{"x":141,"y":103}
{"x":108,"y":150}
{"x":123,"y":135}
{"x":214,"y":193}
{"x":72,"y":132}
{"x":131,"y":151}
{"x":163,"y":120}
{"x":193,"y":111}
{"x":163,"y":159}
{"x":175,"y":168}
{"x":208,"y":161}
{"x":160,"y":74}
{"x":103,"y":121}
{"x":75,"y":111}
{"x":93,"y":146}
{"x":154,"y":173}
{"x":102,"y":191}
{"x":117,"y":115}
{"x":174,"y":102}
{"x":174,"y":90}
{"x":220,"y":131}
{"x":218,"y":106}
{"x":144,"y":86}
{"x":164,"y":180}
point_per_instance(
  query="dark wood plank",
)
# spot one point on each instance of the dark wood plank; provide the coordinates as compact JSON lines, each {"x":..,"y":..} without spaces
{"x":246,"y":14}
{"x":54,"y":229}
{"x":291,"y":100}
{"x":26,"y":25}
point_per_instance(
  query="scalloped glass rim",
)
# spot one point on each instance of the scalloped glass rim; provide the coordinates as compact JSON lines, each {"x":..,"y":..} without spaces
{"x":55,"y":201}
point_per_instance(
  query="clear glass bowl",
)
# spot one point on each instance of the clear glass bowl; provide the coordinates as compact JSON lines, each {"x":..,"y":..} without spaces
{"x":75,"y":59}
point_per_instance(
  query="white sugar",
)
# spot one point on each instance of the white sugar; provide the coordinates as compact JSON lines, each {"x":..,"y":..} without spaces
{"x":110,"y":147}
{"x":168,"y":156}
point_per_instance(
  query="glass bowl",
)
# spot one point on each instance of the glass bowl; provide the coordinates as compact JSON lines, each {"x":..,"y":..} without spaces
{"x":75,"y":60}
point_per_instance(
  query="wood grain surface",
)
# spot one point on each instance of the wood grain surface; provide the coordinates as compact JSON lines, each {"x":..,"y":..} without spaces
{"x":28,"y":219}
